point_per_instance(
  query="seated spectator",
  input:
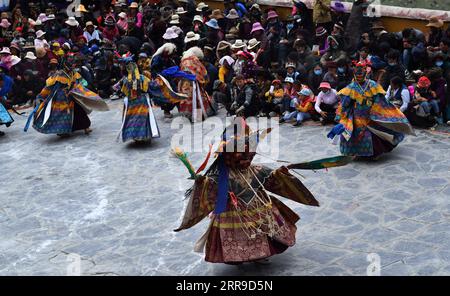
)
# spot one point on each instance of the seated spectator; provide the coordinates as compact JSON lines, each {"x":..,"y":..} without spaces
{"x":326,"y":103}
{"x":398,"y":94}
{"x":303,"y":106}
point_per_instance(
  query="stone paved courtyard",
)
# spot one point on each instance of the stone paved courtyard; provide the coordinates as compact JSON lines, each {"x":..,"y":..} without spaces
{"x":116,"y":206}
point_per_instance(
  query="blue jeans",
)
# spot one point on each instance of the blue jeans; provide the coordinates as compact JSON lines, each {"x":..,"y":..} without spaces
{"x":432,"y":105}
{"x":299,"y":116}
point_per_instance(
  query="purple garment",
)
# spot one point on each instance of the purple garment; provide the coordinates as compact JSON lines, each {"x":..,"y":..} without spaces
{"x":325,"y":47}
{"x":438,"y":87}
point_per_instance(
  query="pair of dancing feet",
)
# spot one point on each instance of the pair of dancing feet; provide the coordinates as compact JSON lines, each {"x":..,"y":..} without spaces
{"x":87,"y":131}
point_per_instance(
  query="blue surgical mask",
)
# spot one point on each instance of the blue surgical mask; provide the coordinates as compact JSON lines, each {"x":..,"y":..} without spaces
{"x":439,"y":63}
{"x":318,"y":72}
{"x":290,"y":26}
{"x":392,"y":64}
{"x":341,"y":70}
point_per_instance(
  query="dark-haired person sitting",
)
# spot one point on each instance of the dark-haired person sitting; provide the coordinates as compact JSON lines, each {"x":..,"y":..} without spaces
{"x":398,"y":94}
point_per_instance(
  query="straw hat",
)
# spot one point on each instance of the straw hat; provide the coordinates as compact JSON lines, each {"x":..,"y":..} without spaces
{"x":81,"y":8}
{"x":30,"y":55}
{"x":435,"y":23}
{"x":252,"y":43}
{"x":180,"y":10}
{"x":123,"y":15}
{"x":174,"y":19}
{"x":201,"y":6}
{"x":191,"y":36}
{"x":238,"y":44}
{"x":216,"y":14}
{"x":40,"y":33}
{"x":134,"y":5}
{"x":232,"y":14}
{"x":72,"y":22}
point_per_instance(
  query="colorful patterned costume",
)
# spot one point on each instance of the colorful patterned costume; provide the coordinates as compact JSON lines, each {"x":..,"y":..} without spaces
{"x":198,"y":106}
{"x":5,"y":117}
{"x":248,"y":222}
{"x":371,"y":125}
{"x":139,"y":122}
{"x":65,"y":104}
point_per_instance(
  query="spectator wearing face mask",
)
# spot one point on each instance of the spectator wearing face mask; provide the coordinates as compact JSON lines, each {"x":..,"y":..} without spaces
{"x":315,"y":78}
{"x":393,"y":69}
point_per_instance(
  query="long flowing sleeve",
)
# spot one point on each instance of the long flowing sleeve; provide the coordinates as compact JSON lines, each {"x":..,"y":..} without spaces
{"x":283,"y":183}
{"x":201,"y":202}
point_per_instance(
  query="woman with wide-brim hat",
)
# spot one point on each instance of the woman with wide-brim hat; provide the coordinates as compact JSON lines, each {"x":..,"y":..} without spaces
{"x":191,"y":39}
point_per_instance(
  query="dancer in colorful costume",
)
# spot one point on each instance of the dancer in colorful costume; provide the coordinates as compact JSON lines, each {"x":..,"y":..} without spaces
{"x":198,"y":106}
{"x":139,"y":122}
{"x":368,"y":124}
{"x":6,"y":84}
{"x":248,"y":223}
{"x":64,"y":103}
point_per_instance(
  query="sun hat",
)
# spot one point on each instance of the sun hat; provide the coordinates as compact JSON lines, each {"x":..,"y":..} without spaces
{"x":81,"y":8}
{"x":201,"y":6}
{"x":252,"y":43}
{"x":435,"y":22}
{"x":325,"y":85}
{"x":180,"y":10}
{"x":72,"y":22}
{"x":177,"y":30}
{"x":290,"y":65}
{"x":191,"y":36}
{"x":339,"y":25}
{"x":232,"y":14}
{"x":40,"y":33}
{"x":123,"y":15}
{"x":272,"y":14}
{"x":30,"y":55}
{"x":223,"y":45}
{"x":289,"y":80}
{"x":238,"y":44}
{"x":170,"y":34}
{"x":338,"y":6}
{"x":174,"y":19}
{"x":134,"y":5}
{"x":245,"y":54}
{"x":305,"y":92}
{"x":217,"y":14}
{"x":228,"y":59}
{"x":198,"y":18}
{"x":5,"y":50}
{"x":88,"y":24}
{"x":51,"y":17}
{"x":256,"y":27}
{"x":255,"y":6}
{"x":42,"y":17}
{"x":212,"y":23}
{"x":143,"y":55}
